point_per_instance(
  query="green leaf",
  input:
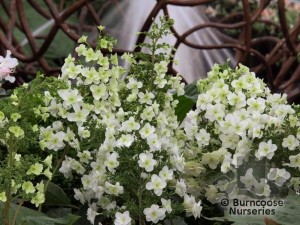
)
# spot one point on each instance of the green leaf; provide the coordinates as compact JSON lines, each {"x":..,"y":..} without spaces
{"x":187,"y":101}
{"x":45,"y":220}
{"x":176,"y":220}
{"x":191,"y":91}
{"x":58,"y":212}
{"x":28,"y":216}
{"x":184,"y":106}
{"x":56,"y":196}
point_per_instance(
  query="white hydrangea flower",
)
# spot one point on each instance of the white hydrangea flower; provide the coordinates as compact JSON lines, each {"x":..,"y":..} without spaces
{"x":202,"y":137}
{"x":70,"y":96}
{"x":238,"y":100}
{"x":157,"y":184}
{"x":256,"y":105}
{"x":56,"y":141}
{"x":134,"y":85}
{"x":248,"y":180}
{"x":111,"y":161}
{"x":166,"y":173}
{"x":181,"y":187}
{"x":146,"y":97}
{"x":215,"y":112}
{"x":79,"y":115}
{"x":279,"y":176}
{"x":99,"y":91}
{"x":290,"y":142}
{"x":153,"y":142}
{"x":125,"y":140}
{"x":146,"y":161}
{"x":130,"y":125}
{"x":116,"y":189}
{"x":262,"y":188}
{"x":146,"y":131}
{"x":122,"y":218}
{"x":148,"y":113}
{"x":266,"y":149}
{"x":295,"y":161}
{"x":65,"y":168}
{"x":212,"y":194}
{"x":79,"y":196}
{"x":92,"y":213}
{"x":166,"y":204}
{"x":154,"y":213}
{"x":191,"y":206}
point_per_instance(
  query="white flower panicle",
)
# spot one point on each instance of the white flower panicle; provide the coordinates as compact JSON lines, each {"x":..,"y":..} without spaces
{"x":123,"y":131}
{"x":237,"y":120}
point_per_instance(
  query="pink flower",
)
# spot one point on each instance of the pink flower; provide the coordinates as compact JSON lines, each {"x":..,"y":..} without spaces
{"x":268,"y":13}
{"x":7,"y":66}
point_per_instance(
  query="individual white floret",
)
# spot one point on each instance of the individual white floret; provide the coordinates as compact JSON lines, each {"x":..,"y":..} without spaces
{"x":122,"y":218}
{"x":203,"y":101}
{"x":166,"y":204}
{"x":202,"y":137}
{"x":154,"y":142}
{"x":212,"y":194}
{"x":79,"y":196}
{"x":146,"y":131}
{"x":215,"y":112}
{"x":146,"y":97}
{"x":56,"y":141}
{"x":111,"y":161}
{"x":114,"y":189}
{"x":256,"y":105}
{"x":79,"y":115}
{"x":70,"y":96}
{"x":156,"y":184}
{"x":238,"y":100}
{"x":99,"y":91}
{"x":295,"y":161}
{"x":92,"y":213}
{"x":290,"y":142}
{"x":146,"y":161}
{"x":125,"y":140}
{"x":191,"y":206}
{"x":248,"y":180}
{"x":130,"y":125}
{"x":181,"y":187}
{"x":166,"y":173}
{"x":266,"y":149}
{"x":90,"y":55}
{"x":262,"y":188}
{"x":148,"y":113}
{"x":279,"y":176}
{"x":154,"y":213}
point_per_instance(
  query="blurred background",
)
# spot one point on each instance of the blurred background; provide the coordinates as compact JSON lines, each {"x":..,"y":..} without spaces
{"x":262,"y":34}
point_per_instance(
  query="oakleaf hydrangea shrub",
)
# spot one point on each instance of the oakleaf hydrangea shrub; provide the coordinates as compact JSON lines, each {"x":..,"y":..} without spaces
{"x":243,"y":139}
{"x":120,"y":134}
{"x":24,"y":169}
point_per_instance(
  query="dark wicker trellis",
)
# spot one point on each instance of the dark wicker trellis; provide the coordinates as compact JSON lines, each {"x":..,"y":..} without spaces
{"x":281,"y":77}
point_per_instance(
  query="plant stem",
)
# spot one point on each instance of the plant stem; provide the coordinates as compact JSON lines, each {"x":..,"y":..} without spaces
{"x":53,"y":173}
{"x":17,"y":211}
{"x":5,"y":214}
